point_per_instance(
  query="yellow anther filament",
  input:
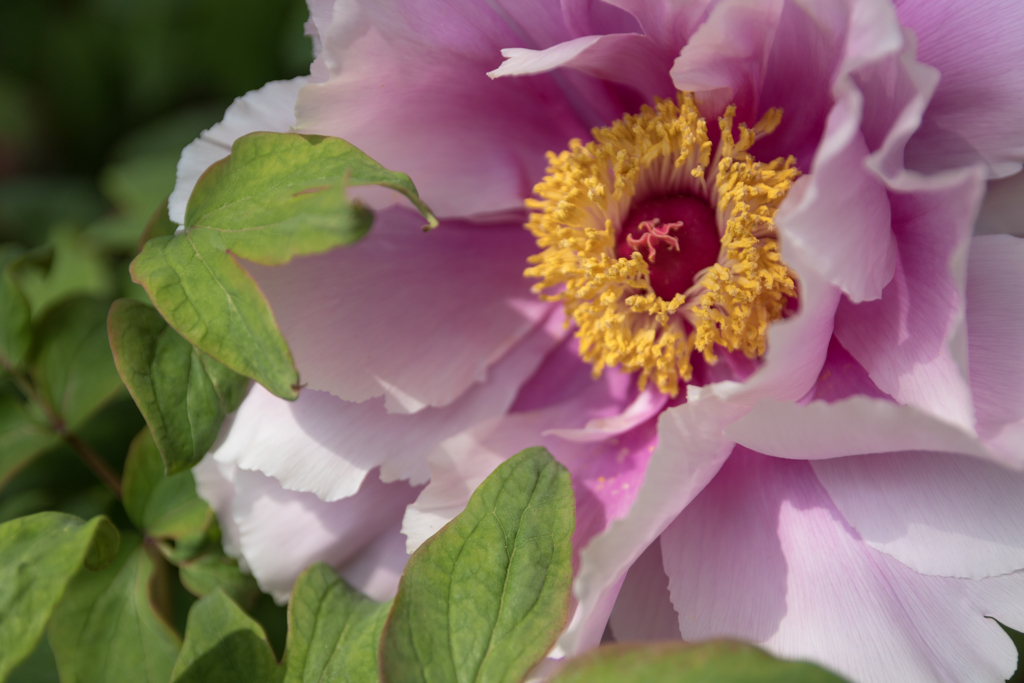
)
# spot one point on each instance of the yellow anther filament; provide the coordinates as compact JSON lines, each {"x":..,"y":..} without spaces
{"x":583,"y":201}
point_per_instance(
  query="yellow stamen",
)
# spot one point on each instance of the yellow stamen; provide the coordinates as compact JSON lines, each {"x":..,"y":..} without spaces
{"x":583,"y":201}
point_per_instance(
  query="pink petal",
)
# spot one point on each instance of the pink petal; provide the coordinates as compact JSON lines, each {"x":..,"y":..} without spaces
{"x":839,"y":214}
{"x":763,"y":555}
{"x":283,"y":532}
{"x":417,"y":317}
{"x":1002,"y":211}
{"x":937,"y":513}
{"x":668,"y":22}
{"x":995,"y":326}
{"x":627,"y":58}
{"x":407,"y":85}
{"x":326,"y":446}
{"x":643,"y":610}
{"x":378,"y":568}
{"x":911,"y":341}
{"x":975,"y":114}
{"x":690,"y":450}
{"x":271,"y":108}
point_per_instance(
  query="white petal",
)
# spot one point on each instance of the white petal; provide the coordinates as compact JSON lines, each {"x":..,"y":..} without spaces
{"x":643,"y":610}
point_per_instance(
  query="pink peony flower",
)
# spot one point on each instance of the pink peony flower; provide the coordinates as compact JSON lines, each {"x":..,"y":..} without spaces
{"x":806,"y":432}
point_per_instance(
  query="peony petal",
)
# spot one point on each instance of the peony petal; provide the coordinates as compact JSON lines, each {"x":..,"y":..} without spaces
{"x":911,"y":341}
{"x":995,"y":325}
{"x":853,"y":426}
{"x":417,"y":317}
{"x":326,"y":446}
{"x":215,"y":483}
{"x":690,"y":450}
{"x":975,"y":113}
{"x":271,"y":108}
{"x":762,"y":555}
{"x":283,"y":532}
{"x":643,"y":610}
{"x":1002,"y":211}
{"x":937,"y":513}
{"x":839,"y":215}
{"x":668,"y":22}
{"x":647,"y":404}
{"x":407,"y":85}
{"x":378,"y":568}
{"x":627,"y":58}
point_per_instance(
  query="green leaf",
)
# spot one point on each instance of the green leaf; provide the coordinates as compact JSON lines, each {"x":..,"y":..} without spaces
{"x":15,"y":318}
{"x":333,"y":631}
{"x":210,"y":571}
{"x":76,"y":269}
{"x":223,"y":645}
{"x":107,"y":629}
{"x":39,"y":555}
{"x":183,"y":393}
{"x":486,"y":596}
{"x":24,"y":434}
{"x":277,"y":196}
{"x":72,"y":365}
{"x":165,"y":507}
{"x":714,"y":662}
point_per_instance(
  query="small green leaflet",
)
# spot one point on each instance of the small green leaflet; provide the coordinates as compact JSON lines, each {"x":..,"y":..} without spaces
{"x":277,"y":196}
{"x":39,"y":555}
{"x":183,"y":393}
{"x":485,"y":598}
{"x":714,"y":662}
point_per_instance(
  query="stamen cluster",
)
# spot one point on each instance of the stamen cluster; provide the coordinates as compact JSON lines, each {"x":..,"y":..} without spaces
{"x":578,"y":216}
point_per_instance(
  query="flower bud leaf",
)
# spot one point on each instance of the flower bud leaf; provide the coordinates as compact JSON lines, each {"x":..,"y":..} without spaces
{"x":487,"y":595}
{"x":39,"y":555}
{"x":333,"y":630}
{"x":71,"y":363}
{"x":166,"y":507}
{"x":277,"y":196}
{"x":183,"y":393}
{"x":223,"y":645}
{"x":107,"y":629}
{"x":717,"y":661}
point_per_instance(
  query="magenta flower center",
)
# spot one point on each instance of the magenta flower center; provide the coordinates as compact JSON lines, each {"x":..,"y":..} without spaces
{"x":677,"y":236}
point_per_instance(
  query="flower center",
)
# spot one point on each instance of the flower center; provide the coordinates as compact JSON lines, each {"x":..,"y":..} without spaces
{"x":649,"y":217}
{"x":676,"y":235}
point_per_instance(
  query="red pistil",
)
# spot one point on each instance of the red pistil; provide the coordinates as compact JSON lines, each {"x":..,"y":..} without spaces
{"x":674,"y":259}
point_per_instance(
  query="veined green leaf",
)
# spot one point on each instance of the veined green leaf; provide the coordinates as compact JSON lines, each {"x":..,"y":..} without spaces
{"x":39,"y":555}
{"x":107,"y":629}
{"x":15,"y":318}
{"x":183,"y":393}
{"x":277,"y":196}
{"x":223,"y":645}
{"x":23,"y":436}
{"x":212,"y":570}
{"x":714,"y":662}
{"x":333,"y":631}
{"x":485,"y":597}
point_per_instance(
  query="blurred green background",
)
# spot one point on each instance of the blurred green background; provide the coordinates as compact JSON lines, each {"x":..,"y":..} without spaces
{"x":97,"y":99}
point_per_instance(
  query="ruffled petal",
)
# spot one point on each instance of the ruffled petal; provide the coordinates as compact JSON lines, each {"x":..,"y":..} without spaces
{"x":763,"y":555}
{"x":643,"y":610}
{"x":326,"y":446}
{"x":407,"y":85}
{"x":1002,"y":211}
{"x":995,"y":326}
{"x":280,"y":532}
{"x":937,"y":513}
{"x":271,"y":108}
{"x":911,"y":341}
{"x":627,"y":58}
{"x":667,"y":22}
{"x":975,"y":113}
{"x":417,"y":317}
{"x":690,"y":449}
